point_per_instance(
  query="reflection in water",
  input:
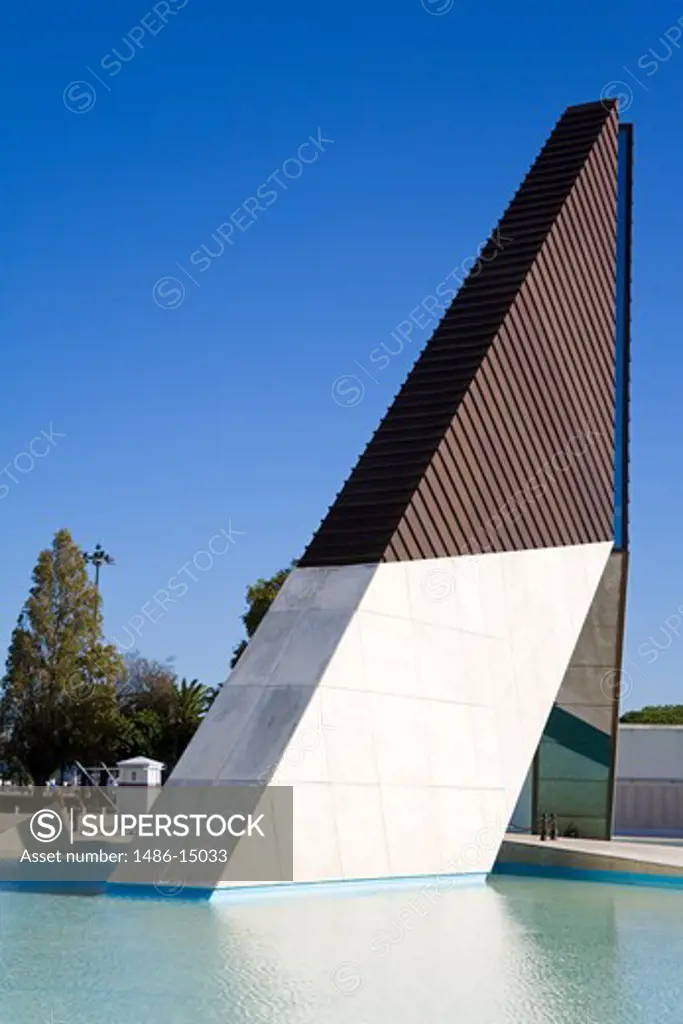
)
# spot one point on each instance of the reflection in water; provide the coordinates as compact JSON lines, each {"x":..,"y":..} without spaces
{"x":531,"y":951}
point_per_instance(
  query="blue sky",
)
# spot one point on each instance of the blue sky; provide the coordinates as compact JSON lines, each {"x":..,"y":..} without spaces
{"x":177,"y":412}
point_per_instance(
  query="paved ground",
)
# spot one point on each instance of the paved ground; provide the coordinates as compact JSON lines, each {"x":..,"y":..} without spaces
{"x":634,"y":855}
{"x":657,"y":840}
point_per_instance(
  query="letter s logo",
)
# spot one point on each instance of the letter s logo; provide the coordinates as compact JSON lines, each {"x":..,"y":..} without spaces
{"x":46,"y":826}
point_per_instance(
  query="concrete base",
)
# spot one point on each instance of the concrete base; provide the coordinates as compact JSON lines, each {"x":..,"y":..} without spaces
{"x":592,"y":860}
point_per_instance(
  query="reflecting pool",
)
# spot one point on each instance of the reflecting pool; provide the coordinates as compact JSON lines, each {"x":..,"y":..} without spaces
{"x":521,"y":951}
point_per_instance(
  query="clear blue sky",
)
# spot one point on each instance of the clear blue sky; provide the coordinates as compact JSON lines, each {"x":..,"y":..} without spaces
{"x":219,"y":410}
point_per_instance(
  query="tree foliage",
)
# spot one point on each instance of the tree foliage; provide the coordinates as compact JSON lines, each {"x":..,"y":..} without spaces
{"x":260,"y":596}
{"x":655,"y":714}
{"x":58,"y":694}
{"x":68,"y":696}
{"x":160,"y":713}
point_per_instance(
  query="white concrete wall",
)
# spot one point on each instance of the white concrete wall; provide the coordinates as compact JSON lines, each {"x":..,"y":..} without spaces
{"x":648,"y":805}
{"x":650,"y":752}
{"x":403,"y":702}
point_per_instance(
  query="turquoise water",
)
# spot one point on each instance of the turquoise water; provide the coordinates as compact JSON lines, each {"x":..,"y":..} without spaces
{"x":514,"y":951}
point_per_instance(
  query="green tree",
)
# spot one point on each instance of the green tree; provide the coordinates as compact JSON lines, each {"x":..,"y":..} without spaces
{"x":159,"y":713}
{"x":655,"y":714}
{"x":260,"y":596}
{"x":142,"y":734}
{"x":189,"y":703}
{"x":58,"y":701}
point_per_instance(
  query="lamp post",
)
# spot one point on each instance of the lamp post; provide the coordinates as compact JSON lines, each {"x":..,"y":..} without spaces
{"x":98,"y":557}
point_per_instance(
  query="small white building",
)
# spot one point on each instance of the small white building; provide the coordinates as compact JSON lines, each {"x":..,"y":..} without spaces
{"x":139,"y":771}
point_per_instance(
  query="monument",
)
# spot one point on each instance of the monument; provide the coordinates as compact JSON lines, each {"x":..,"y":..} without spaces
{"x":455,"y":625}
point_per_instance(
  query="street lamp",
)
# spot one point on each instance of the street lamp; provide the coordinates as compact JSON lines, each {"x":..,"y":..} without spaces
{"x":98,"y":557}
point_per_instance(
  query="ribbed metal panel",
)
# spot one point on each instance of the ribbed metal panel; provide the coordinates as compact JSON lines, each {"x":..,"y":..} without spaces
{"x":502,"y":437}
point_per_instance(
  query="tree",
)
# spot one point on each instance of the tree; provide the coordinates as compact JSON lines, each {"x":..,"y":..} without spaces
{"x":58,"y":701}
{"x":159,"y":714}
{"x":145,"y":685}
{"x":260,"y":596}
{"x":189,"y":703}
{"x":655,"y":714}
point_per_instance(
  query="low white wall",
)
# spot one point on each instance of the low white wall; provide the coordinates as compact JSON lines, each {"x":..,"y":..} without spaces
{"x":650,"y":752}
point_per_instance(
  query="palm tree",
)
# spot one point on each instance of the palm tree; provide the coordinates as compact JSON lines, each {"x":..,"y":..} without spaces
{"x":189,"y":703}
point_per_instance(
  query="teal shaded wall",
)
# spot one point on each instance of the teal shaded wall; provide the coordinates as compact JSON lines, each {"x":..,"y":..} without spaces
{"x":522,"y":816}
{"x":574,"y":764}
{"x":573,"y":774}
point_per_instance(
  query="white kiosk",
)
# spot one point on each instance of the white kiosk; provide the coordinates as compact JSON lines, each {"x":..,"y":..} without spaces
{"x":139,"y":771}
{"x":138,"y":784}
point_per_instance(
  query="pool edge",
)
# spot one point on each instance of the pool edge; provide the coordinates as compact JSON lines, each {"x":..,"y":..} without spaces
{"x":562,"y":872}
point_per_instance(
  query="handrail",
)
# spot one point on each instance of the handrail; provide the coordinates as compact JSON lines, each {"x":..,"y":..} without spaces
{"x":96,"y":784}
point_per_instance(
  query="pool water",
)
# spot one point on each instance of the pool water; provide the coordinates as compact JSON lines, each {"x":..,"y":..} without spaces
{"x":513,"y":951}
